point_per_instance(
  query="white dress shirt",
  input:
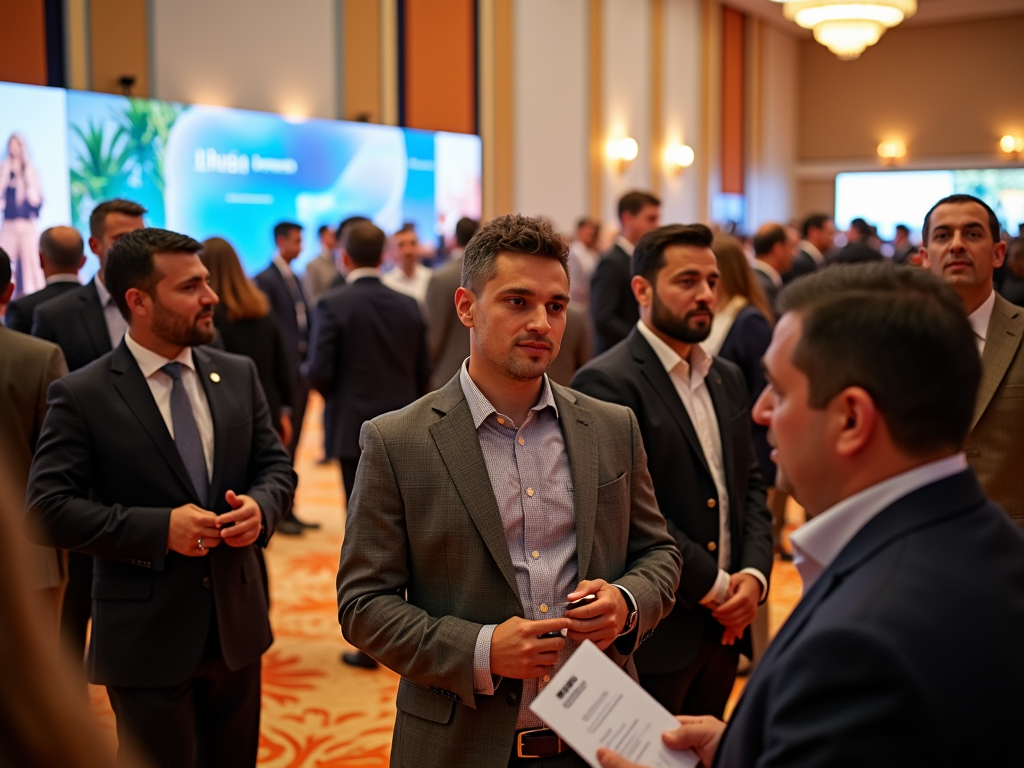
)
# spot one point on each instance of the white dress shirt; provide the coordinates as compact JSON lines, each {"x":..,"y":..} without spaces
{"x":979,"y":320}
{"x":116,"y":324}
{"x":160,"y":384}
{"x":625,"y":245}
{"x":818,"y":543}
{"x":415,"y":286}
{"x":811,"y":250}
{"x":62,"y":277}
{"x":689,"y":380}
{"x":293,"y":288}
{"x":765,"y":268}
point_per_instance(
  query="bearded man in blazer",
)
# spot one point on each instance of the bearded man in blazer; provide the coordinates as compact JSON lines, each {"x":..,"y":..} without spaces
{"x":694,"y":416}
{"x":482,"y":509}
{"x":161,"y":462}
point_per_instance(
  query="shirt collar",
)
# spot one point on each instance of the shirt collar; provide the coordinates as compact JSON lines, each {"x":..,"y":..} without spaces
{"x":480,"y":407}
{"x":150,"y":362}
{"x":63,"y":277}
{"x":699,"y":362}
{"x":826,"y":535}
{"x":102,"y":292}
{"x":979,"y":318}
{"x":360,"y":272}
{"x":625,"y":245}
{"x":282,"y":265}
{"x":763,"y":266}
{"x":811,"y":250}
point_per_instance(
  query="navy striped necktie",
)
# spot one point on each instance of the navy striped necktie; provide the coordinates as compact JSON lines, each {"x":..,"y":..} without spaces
{"x":186,"y":433}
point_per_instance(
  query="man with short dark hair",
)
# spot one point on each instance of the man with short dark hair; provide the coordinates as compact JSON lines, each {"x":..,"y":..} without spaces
{"x":1012,"y":287}
{"x":612,"y":304}
{"x":481,"y":510}
{"x":61,"y":256}
{"x":858,"y":248}
{"x":288,"y":301}
{"x":160,"y":460}
{"x":816,"y":233}
{"x":409,"y":275}
{"x":694,"y":416}
{"x":873,"y":376}
{"x":961,"y":245}
{"x":902,"y":248}
{"x":583,"y":258}
{"x":774,"y":250}
{"x":321,"y":271}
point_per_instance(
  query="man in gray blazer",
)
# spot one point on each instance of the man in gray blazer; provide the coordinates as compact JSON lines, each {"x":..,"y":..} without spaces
{"x":481,"y":510}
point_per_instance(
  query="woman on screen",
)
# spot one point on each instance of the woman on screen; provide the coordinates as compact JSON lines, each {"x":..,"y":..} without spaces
{"x":21,"y":197}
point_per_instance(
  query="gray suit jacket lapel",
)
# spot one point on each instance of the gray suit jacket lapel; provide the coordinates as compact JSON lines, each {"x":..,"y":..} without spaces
{"x":581,"y":445}
{"x":1005,"y":331}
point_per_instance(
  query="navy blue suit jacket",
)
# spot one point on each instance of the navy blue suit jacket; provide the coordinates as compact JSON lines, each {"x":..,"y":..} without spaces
{"x":612,"y":304}
{"x":20,"y":311}
{"x":74,"y":321}
{"x":272,"y":283}
{"x":905,"y":651}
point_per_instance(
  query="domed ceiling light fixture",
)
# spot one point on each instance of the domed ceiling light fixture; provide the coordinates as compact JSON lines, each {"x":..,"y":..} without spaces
{"x":847,"y":27}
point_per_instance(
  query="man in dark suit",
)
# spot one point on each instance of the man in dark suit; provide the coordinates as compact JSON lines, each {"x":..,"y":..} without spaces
{"x":161,"y":461}
{"x":287,"y":299}
{"x":61,"y":256}
{"x":858,"y":248}
{"x":86,"y":324}
{"x":612,"y":304}
{"x":774,"y":250}
{"x":895,"y":655}
{"x":817,"y":234}
{"x":694,"y":416}
{"x":447,"y":337}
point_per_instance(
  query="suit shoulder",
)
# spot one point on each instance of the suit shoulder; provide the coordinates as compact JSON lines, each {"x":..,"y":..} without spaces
{"x":22,"y":347}
{"x":603,"y":411}
{"x":224,"y":359}
{"x":614,"y":361}
{"x":412,"y":420}
{"x":63,"y":302}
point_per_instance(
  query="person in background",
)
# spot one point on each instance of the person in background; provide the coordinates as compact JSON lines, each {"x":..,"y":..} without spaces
{"x":1012,"y":288}
{"x":27,"y":368}
{"x":288,"y":301}
{"x":21,"y":198}
{"x":577,"y":347}
{"x":817,"y":233}
{"x":693,"y":413}
{"x":409,"y":276}
{"x":961,"y":245}
{"x":161,"y":462}
{"x":583,"y":258}
{"x":447,"y":337}
{"x":86,"y":324}
{"x":321,"y":271}
{"x":902,"y":248}
{"x":248,"y":327}
{"x":859,"y":248}
{"x":339,"y":238}
{"x":612,"y":304}
{"x":774,"y":251}
{"x":61,"y":255}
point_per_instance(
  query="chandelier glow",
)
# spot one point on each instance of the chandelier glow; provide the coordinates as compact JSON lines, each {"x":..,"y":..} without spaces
{"x":847,"y":27}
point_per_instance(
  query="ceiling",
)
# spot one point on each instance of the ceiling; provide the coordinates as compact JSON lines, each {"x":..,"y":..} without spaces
{"x":928,"y":11}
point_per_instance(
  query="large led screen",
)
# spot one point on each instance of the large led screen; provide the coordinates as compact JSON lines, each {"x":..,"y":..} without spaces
{"x":888,"y":198}
{"x":209,"y":171}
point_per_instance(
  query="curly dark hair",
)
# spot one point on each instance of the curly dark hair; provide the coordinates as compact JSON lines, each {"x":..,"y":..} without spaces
{"x":512,"y":233}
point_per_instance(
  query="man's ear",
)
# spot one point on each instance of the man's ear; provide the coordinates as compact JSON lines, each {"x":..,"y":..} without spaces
{"x":642,"y":290}
{"x":95,"y":246}
{"x":999,"y":255}
{"x":856,"y":419}
{"x":921,"y":258}
{"x":465,"y":305}
{"x":138,"y":301}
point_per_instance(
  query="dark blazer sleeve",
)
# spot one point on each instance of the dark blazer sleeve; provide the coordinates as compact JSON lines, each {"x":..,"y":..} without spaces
{"x":747,"y":342}
{"x":606,"y":300}
{"x":324,"y":346}
{"x":42,"y":327}
{"x":439,"y":312}
{"x":283,"y":375}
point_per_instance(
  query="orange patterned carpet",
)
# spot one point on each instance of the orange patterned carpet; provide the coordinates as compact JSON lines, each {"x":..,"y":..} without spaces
{"x":317,"y":712}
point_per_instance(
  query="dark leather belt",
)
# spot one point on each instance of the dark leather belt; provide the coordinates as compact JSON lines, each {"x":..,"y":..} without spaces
{"x":539,"y":742}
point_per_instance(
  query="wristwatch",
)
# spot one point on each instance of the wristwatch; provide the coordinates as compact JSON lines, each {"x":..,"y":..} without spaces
{"x":632,"y":614}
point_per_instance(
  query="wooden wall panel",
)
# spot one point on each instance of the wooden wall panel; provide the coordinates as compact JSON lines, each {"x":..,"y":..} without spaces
{"x":361,"y":52}
{"x":440,"y":65}
{"x":119,"y":34}
{"x":733,"y":97}
{"x":23,"y":53}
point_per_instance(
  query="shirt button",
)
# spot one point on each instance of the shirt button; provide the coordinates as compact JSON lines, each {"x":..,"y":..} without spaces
{"x":521,"y":441}
{"x":711,"y":503}
{"x":712,"y":546}
{"x":543,"y":607}
{"x":535,"y":554}
{"x":511,"y":698}
{"x":206,"y":581}
{"x":546,"y":679}
{"x":529,"y":492}
{"x":501,"y":420}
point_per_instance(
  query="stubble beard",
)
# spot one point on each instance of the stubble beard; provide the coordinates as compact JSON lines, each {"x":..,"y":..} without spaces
{"x":178,"y":331}
{"x":678,"y":328}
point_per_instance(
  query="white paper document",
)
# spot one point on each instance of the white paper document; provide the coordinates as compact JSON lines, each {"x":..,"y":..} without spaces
{"x":592,"y":703}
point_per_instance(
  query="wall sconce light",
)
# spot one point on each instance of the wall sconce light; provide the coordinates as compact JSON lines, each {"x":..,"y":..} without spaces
{"x":622,"y":152}
{"x":1011,"y":145}
{"x":678,"y":157}
{"x":892,"y":151}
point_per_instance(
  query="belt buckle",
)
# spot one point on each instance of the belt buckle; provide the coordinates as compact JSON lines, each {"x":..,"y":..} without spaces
{"x":519,"y":741}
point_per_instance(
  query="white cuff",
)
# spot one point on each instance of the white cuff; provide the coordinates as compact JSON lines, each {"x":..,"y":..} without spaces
{"x":483,"y":682}
{"x":760,"y":577}
{"x":719,"y":591}
{"x":636,"y":607}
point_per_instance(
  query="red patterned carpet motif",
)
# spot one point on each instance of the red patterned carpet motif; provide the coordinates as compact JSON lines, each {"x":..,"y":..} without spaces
{"x":317,"y":712}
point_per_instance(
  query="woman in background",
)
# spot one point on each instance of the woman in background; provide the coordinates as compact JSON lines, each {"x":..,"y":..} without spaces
{"x":248,"y":327}
{"x":21,"y":198}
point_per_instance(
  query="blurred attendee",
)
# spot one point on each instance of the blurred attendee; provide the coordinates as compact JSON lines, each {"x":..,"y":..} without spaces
{"x":612,"y":304}
{"x":902,"y":248}
{"x":321,"y":271}
{"x":1012,"y":288}
{"x":86,"y":324}
{"x":288,"y":301}
{"x":161,"y":461}
{"x":817,"y":233}
{"x":694,"y":416}
{"x":774,"y":251}
{"x":858,"y":248}
{"x":27,"y":368}
{"x":962,"y":246}
{"x":577,"y":347}
{"x":409,"y":275}
{"x":61,"y":255}
{"x":248,"y":327}
{"x":447,"y":337}
{"x":583,"y":257}
{"x":339,"y":238}
{"x":893,"y":650}
{"x":21,"y":198}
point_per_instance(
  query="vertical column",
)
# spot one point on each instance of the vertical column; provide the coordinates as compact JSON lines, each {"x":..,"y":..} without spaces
{"x":23,"y":53}
{"x":440,"y":65}
{"x":656,"y":149}
{"x":77,"y":46}
{"x":119,"y":45}
{"x":596,"y":110}
{"x":389,"y":74}
{"x":733,"y":98}
{"x":495,"y":98}
{"x":361,"y":34}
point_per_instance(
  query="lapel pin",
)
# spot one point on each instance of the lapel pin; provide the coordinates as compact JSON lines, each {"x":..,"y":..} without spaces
{"x":215,"y":377}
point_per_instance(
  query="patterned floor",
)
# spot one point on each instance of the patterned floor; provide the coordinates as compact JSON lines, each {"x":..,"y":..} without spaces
{"x":317,"y":712}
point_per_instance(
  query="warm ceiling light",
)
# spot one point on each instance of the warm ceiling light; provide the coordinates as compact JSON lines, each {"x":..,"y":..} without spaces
{"x":847,"y":27}
{"x":621,"y":152}
{"x":1011,"y":144}
{"x":679,"y":156}
{"x":892,"y":150}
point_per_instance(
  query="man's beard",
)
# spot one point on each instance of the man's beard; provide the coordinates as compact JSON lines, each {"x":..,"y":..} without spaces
{"x":679,"y":328}
{"x":179,"y":331}
{"x":525,"y":370}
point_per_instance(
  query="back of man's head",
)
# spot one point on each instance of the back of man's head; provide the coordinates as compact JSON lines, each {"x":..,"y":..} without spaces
{"x":62,"y":247}
{"x":767,"y":237}
{"x":859,"y":231}
{"x":899,"y":333}
{"x":364,"y":243}
{"x":814,"y":221}
{"x":130,"y":263}
{"x":634,"y":202}
{"x":5,"y":277}
{"x":465,"y":228}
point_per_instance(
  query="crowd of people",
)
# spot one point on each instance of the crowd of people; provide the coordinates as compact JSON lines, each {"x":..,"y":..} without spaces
{"x":541,"y":444}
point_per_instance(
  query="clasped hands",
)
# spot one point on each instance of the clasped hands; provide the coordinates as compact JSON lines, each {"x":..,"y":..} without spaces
{"x":191,"y":524}
{"x":701,"y":734}
{"x":739,"y":608}
{"x":518,"y":650}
